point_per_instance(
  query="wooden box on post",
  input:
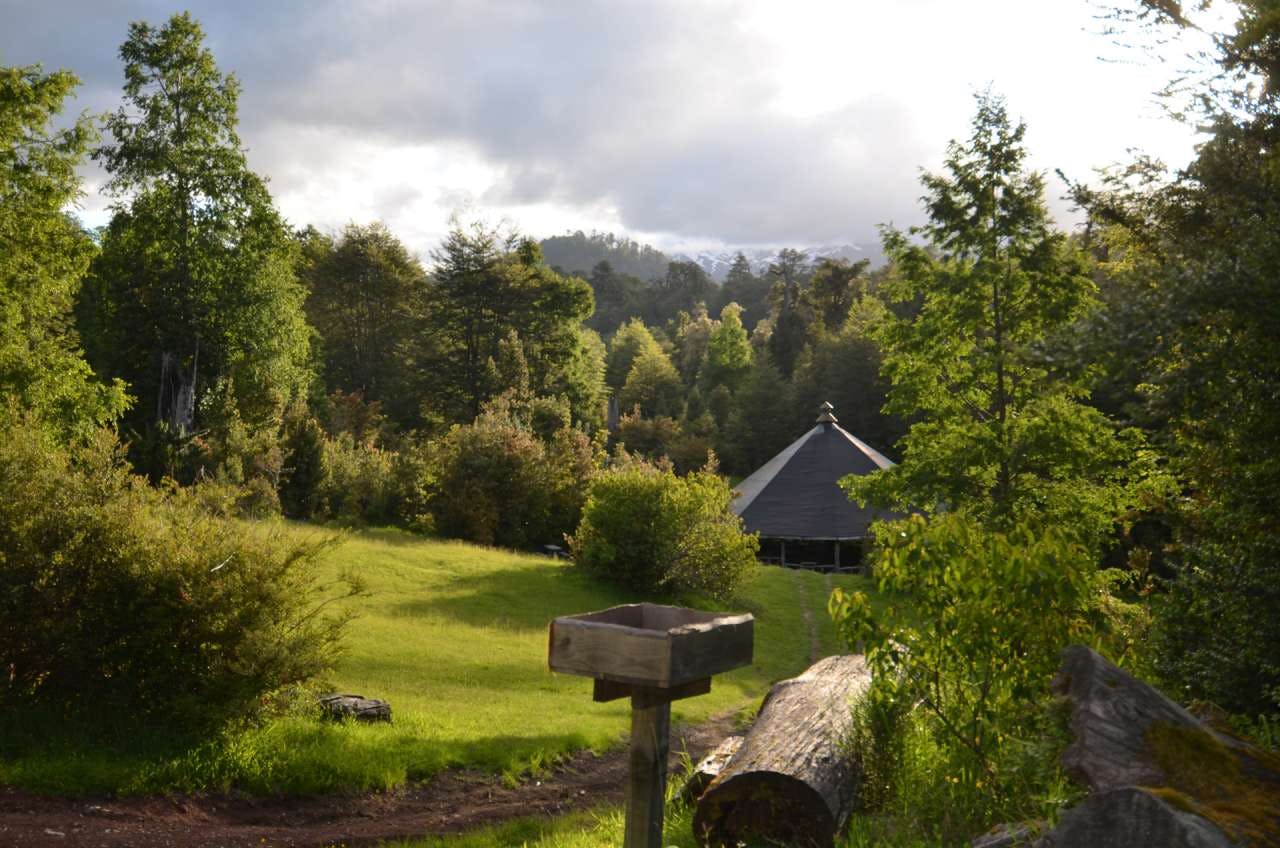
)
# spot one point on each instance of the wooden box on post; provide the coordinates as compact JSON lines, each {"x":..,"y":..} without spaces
{"x":655,"y":654}
{"x":650,"y":645}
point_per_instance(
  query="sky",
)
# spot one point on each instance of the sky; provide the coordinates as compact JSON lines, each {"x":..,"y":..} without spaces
{"x":690,"y":124}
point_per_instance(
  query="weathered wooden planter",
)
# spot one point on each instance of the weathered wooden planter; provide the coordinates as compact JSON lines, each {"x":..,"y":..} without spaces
{"x":654,"y":654}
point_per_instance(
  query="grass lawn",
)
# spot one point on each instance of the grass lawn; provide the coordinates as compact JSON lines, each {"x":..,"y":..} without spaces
{"x":455,"y":637}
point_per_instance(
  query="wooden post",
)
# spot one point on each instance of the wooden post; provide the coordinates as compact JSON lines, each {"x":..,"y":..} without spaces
{"x":783,"y":544}
{"x":647,"y":782}
{"x":837,"y":544}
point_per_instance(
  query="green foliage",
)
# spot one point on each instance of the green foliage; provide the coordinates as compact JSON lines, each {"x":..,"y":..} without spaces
{"x":995,"y":432}
{"x":653,"y":385}
{"x":577,"y":252}
{"x":743,"y":287}
{"x":728,"y":351}
{"x":195,"y":283}
{"x":303,"y":444}
{"x":989,"y":615}
{"x":835,"y":286}
{"x":632,"y":341}
{"x":843,"y":368}
{"x":618,"y":296}
{"x":44,"y":255}
{"x":362,"y":292}
{"x":484,"y":286}
{"x":357,"y":484}
{"x":497,"y":483}
{"x":651,"y":531}
{"x":758,"y":426}
{"x":1196,"y":251}
{"x":118,"y":596}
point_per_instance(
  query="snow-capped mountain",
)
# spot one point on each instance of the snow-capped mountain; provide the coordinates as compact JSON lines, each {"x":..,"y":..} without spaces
{"x":717,"y":263}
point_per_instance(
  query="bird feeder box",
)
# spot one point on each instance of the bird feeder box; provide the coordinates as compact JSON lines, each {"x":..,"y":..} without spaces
{"x":655,"y":655}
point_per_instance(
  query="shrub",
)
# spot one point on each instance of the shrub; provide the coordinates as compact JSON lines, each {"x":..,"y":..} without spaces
{"x":117,"y":596}
{"x":357,"y":483}
{"x":990,"y":613}
{"x":497,"y":483}
{"x":653,"y":532}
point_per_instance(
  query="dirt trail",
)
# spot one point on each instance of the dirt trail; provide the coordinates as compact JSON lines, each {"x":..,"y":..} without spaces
{"x":815,"y":641}
{"x":451,"y":802}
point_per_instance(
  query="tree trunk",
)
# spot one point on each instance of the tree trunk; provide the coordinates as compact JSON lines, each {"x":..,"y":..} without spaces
{"x":792,"y":781}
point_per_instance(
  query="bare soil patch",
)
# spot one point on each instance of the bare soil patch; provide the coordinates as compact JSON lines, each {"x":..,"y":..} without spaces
{"x":451,"y":802}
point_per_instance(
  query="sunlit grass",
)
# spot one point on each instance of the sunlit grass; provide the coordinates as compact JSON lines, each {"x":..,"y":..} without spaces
{"x":455,"y":637}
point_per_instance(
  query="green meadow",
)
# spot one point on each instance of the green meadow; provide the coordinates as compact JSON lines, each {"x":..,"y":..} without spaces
{"x":455,"y":637}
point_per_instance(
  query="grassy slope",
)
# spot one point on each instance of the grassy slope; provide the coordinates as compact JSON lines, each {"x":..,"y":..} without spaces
{"x":455,"y":637}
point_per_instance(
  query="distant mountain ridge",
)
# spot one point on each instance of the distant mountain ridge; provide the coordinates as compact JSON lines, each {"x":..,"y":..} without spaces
{"x":580,"y":252}
{"x":717,"y":263}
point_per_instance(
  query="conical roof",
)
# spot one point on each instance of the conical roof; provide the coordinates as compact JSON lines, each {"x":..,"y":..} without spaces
{"x":796,"y":495}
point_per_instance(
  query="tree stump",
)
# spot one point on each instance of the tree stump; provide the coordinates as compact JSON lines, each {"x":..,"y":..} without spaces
{"x":792,"y":782}
{"x":340,"y":706}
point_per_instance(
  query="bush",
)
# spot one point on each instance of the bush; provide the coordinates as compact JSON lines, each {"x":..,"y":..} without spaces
{"x":990,"y":613}
{"x":357,"y":484}
{"x":653,"y":532}
{"x":116,"y":596}
{"x":497,"y":483}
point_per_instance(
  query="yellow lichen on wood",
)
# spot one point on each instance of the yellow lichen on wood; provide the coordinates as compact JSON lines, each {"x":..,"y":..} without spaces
{"x":1235,"y":790}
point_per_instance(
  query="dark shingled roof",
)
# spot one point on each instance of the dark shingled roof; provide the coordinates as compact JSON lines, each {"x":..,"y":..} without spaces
{"x":795,"y":495}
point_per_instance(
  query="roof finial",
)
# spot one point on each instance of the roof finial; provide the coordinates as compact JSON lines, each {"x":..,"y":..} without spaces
{"x":825,"y":415}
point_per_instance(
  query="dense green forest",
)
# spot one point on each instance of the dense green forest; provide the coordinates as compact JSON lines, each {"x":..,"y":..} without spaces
{"x":1099,"y":407}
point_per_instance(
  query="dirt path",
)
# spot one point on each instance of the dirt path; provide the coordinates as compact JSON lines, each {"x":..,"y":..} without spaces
{"x":815,"y":642}
{"x":451,"y":802}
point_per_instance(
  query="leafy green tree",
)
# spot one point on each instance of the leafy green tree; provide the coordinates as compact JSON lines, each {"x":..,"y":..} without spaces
{"x":360,"y":298}
{"x":833,"y":288}
{"x":496,"y":483}
{"x":632,"y":340}
{"x":579,"y":378}
{"x":995,"y":433}
{"x":843,"y":368}
{"x":751,"y":292}
{"x":618,"y":297}
{"x":759,"y":425}
{"x":681,"y":288}
{"x":990,"y":615}
{"x":195,"y":283}
{"x":1204,"y":242}
{"x":654,"y":386}
{"x":652,"y":532}
{"x":693,"y":337}
{"x":790,"y":312}
{"x":44,"y":255}
{"x":484,"y":286}
{"x":728,"y":351}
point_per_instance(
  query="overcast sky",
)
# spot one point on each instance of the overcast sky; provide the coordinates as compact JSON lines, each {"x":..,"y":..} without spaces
{"x":687,"y":124}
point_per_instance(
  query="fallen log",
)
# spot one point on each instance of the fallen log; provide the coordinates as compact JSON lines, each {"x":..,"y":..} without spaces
{"x":697,"y":781}
{"x":792,"y":782}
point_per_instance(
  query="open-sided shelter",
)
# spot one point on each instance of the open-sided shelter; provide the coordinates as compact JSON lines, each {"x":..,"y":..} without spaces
{"x":794,"y":501}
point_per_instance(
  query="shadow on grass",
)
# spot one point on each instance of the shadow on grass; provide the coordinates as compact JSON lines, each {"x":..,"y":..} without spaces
{"x":524,"y":598}
{"x":289,"y":755}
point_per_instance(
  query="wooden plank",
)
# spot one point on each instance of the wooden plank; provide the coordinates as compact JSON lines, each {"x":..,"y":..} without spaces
{"x":608,"y":690}
{"x":647,"y":779}
{"x":703,"y":653}
{"x":649,"y":696}
{"x":609,"y":651}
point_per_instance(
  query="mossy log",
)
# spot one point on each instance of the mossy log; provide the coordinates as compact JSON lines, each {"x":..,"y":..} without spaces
{"x":792,"y":782}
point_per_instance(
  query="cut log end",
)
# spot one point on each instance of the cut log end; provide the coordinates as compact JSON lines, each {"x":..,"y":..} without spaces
{"x":792,"y":781}
{"x":785,"y":810}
